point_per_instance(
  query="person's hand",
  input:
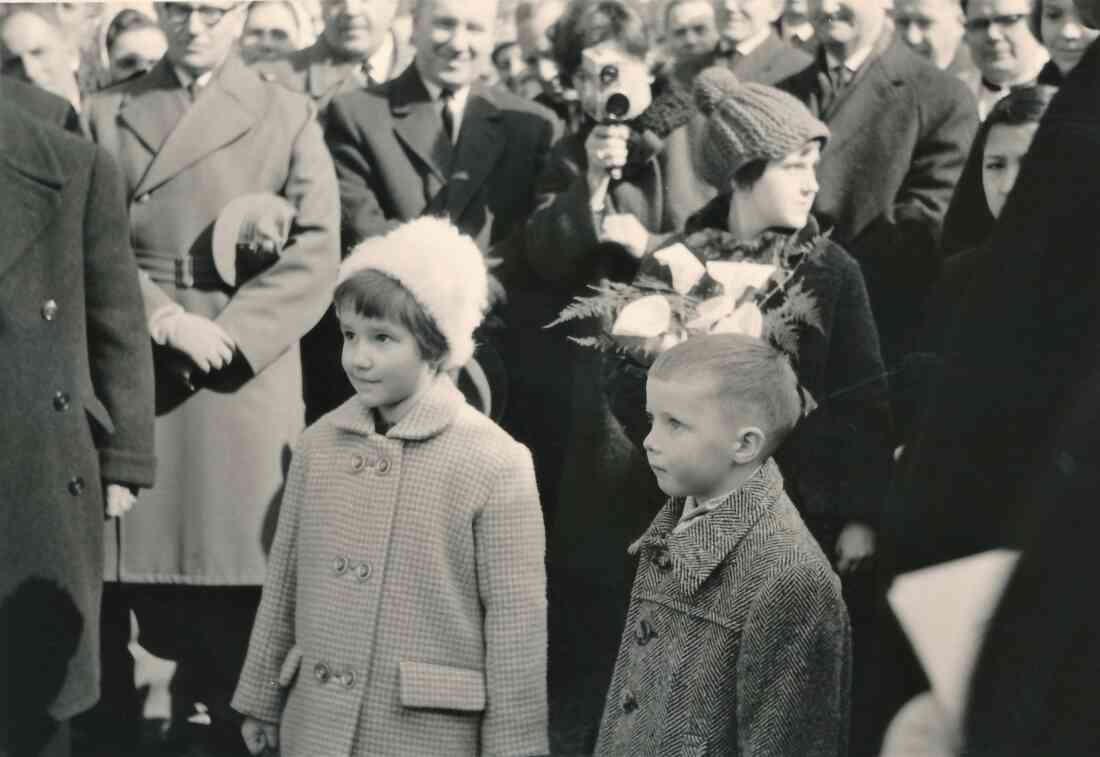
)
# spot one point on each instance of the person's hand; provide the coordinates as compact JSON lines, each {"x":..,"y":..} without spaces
{"x":854,"y":547}
{"x":607,"y":148}
{"x":627,"y":230}
{"x":119,"y":500}
{"x":259,"y":735}
{"x":204,"y":341}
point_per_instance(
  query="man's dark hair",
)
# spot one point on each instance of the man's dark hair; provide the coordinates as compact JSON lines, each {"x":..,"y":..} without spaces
{"x":587,"y":23}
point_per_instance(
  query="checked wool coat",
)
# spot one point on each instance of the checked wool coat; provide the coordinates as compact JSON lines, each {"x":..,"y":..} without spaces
{"x":405,"y":606}
{"x":737,"y":640}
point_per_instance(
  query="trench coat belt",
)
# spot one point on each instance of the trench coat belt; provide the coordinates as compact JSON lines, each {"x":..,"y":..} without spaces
{"x":182,"y":273}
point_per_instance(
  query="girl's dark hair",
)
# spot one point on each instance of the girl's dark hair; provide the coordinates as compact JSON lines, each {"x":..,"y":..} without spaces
{"x":747,"y":175}
{"x":124,"y":21}
{"x":968,"y":221}
{"x":587,"y":23}
{"x":373,"y":294}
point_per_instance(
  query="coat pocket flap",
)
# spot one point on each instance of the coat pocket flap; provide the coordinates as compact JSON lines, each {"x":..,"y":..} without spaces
{"x":441,"y":687}
{"x":98,"y":411}
{"x":290,"y":666}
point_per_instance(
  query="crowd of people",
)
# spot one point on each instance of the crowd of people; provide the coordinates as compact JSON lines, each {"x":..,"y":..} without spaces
{"x":560,"y":377}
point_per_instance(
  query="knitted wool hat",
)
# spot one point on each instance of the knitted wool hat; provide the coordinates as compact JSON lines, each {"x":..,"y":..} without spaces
{"x":442,"y":268}
{"x":748,"y":122}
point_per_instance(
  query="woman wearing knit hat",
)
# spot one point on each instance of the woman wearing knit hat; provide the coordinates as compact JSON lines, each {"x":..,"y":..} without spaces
{"x":405,"y":604}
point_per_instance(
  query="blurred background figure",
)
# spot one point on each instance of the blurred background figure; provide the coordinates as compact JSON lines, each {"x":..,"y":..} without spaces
{"x":535,"y":22}
{"x":36,"y":49}
{"x":750,"y":46}
{"x":134,"y":43}
{"x":508,"y":62}
{"x":1004,"y":47}
{"x":795,"y":26}
{"x":274,"y":29}
{"x":691,"y":33}
{"x":1065,"y":36}
{"x":934,"y":29}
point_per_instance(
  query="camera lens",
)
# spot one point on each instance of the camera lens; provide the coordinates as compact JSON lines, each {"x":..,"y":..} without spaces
{"x":617,"y":106}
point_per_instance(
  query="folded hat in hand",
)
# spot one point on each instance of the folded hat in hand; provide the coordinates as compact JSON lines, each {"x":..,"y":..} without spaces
{"x":249,"y":236}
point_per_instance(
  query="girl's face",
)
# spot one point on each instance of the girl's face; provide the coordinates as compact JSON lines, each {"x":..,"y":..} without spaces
{"x":1005,"y":147}
{"x":1063,"y":33}
{"x":383,"y":363}
{"x":783,"y":195}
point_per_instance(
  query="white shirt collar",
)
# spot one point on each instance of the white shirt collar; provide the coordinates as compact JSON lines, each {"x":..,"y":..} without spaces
{"x":186,"y":77}
{"x":987,"y":97}
{"x":802,"y":32}
{"x":853,"y":61}
{"x":746,"y":46}
{"x":382,"y":61}
{"x":458,"y":102}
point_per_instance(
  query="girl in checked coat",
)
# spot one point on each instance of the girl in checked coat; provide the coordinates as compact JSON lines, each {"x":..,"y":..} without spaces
{"x":404,"y":611}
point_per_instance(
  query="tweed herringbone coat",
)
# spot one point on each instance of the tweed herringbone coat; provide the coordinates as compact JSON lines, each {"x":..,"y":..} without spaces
{"x":737,"y":640}
{"x":405,"y":605}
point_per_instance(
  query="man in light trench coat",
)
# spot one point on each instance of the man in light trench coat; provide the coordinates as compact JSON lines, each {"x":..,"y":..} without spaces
{"x":198,"y":131}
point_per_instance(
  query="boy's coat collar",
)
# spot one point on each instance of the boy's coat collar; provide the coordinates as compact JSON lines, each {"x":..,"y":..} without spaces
{"x":698,"y":550}
{"x":435,"y":411}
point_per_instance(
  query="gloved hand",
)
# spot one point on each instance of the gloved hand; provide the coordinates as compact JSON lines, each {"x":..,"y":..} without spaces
{"x":204,"y":341}
{"x":119,"y":500}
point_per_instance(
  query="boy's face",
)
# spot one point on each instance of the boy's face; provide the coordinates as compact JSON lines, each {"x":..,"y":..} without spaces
{"x":692,"y":443}
{"x":383,"y":363}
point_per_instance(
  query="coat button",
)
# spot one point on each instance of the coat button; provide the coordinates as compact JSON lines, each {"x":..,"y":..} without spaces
{"x":630,"y":702}
{"x":383,"y":467}
{"x":49,"y":310}
{"x":340,"y":565}
{"x":61,"y":402}
{"x":358,"y":462}
{"x":662,"y":559}
{"x":142,"y":198}
{"x":321,"y":673}
{"x":76,"y":486}
{"x":362,"y":571}
{"x":644,"y":632}
{"x":347,"y":680}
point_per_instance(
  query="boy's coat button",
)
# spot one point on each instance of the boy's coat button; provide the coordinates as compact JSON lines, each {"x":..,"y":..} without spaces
{"x":358,"y":463}
{"x":348,"y":679}
{"x":340,"y":565}
{"x":322,"y":673}
{"x":383,"y":467}
{"x":49,"y":310}
{"x":362,"y":571}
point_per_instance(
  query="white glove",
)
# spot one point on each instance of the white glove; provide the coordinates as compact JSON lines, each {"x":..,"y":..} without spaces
{"x":627,"y":230}
{"x":119,"y":500}
{"x":204,"y":341}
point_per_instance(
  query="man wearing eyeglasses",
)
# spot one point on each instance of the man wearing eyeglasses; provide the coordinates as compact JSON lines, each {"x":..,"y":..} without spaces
{"x":198,"y":131}
{"x":1003,"y":46}
{"x":357,"y":48}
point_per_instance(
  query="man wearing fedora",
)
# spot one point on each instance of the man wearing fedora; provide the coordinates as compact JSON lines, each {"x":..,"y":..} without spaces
{"x":198,"y":132}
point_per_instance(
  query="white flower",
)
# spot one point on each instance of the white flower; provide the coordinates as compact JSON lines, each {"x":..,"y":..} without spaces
{"x":737,"y":276}
{"x":685,"y":267}
{"x":747,"y":320}
{"x":645,"y":317}
{"x":711,"y":311}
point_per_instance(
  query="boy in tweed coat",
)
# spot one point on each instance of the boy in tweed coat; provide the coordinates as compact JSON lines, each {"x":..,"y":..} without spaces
{"x":405,"y":606}
{"x":737,"y":639}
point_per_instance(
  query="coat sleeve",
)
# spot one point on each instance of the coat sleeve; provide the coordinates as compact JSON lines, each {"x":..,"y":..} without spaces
{"x":361,"y":214}
{"x":120,"y":360}
{"x":511,"y":574}
{"x":261,"y":691}
{"x":273,"y":310}
{"x":794,"y":667}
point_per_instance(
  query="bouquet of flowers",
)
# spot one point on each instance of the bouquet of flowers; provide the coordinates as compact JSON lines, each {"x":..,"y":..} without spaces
{"x":707,"y":282}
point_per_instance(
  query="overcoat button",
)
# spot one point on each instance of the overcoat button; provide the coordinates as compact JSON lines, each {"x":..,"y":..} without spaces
{"x":630,"y":703}
{"x":644,"y":633}
{"x":340,"y":565}
{"x":358,"y":462}
{"x":49,"y":310}
{"x":61,"y":402}
{"x":142,"y":199}
{"x":348,"y":679}
{"x":362,"y":571}
{"x":321,"y":672}
{"x":383,"y":467}
{"x":76,"y":486}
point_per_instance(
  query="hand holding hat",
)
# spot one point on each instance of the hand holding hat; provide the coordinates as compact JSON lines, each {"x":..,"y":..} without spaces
{"x":249,"y":236}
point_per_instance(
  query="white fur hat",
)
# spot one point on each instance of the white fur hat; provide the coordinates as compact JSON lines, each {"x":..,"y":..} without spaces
{"x":441,"y":267}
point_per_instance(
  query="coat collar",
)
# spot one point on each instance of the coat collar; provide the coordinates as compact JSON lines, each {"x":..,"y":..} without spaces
{"x":435,"y":411}
{"x":231,"y":103}
{"x":699,"y":549}
{"x":31,"y":179}
{"x":417,"y":123}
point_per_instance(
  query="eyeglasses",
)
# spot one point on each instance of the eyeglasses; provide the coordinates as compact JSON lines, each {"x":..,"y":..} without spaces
{"x":180,"y":13}
{"x":1005,"y":21}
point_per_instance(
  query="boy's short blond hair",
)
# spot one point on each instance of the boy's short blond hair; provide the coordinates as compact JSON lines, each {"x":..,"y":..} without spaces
{"x":747,"y":374}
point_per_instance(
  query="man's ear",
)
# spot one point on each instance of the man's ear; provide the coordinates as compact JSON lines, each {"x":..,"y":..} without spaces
{"x":749,"y":445}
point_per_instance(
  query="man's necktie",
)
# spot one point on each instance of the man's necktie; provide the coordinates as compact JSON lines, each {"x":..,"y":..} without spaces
{"x":194,"y":89}
{"x":364,"y":75}
{"x":446,"y":99}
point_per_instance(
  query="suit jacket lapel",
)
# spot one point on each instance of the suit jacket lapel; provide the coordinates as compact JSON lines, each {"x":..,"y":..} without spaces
{"x":857,"y":107}
{"x":759,"y":61}
{"x":155,"y":106}
{"x":231,"y":103}
{"x":417,"y":123}
{"x":30,"y":185}
{"x":480,"y":145}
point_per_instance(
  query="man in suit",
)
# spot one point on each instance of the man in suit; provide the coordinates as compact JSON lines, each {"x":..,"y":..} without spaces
{"x":197,"y":132}
{"x":40,"y":103}
{"x":34,"y":47}
{"x":1003,"y":44}
{"x":357,"y":48}
{"x":76,"y":395}
{"x":934,"y":29}
{"x":749,"y":45}
{"x":535,"y":20}
{"x":691,"y":33}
